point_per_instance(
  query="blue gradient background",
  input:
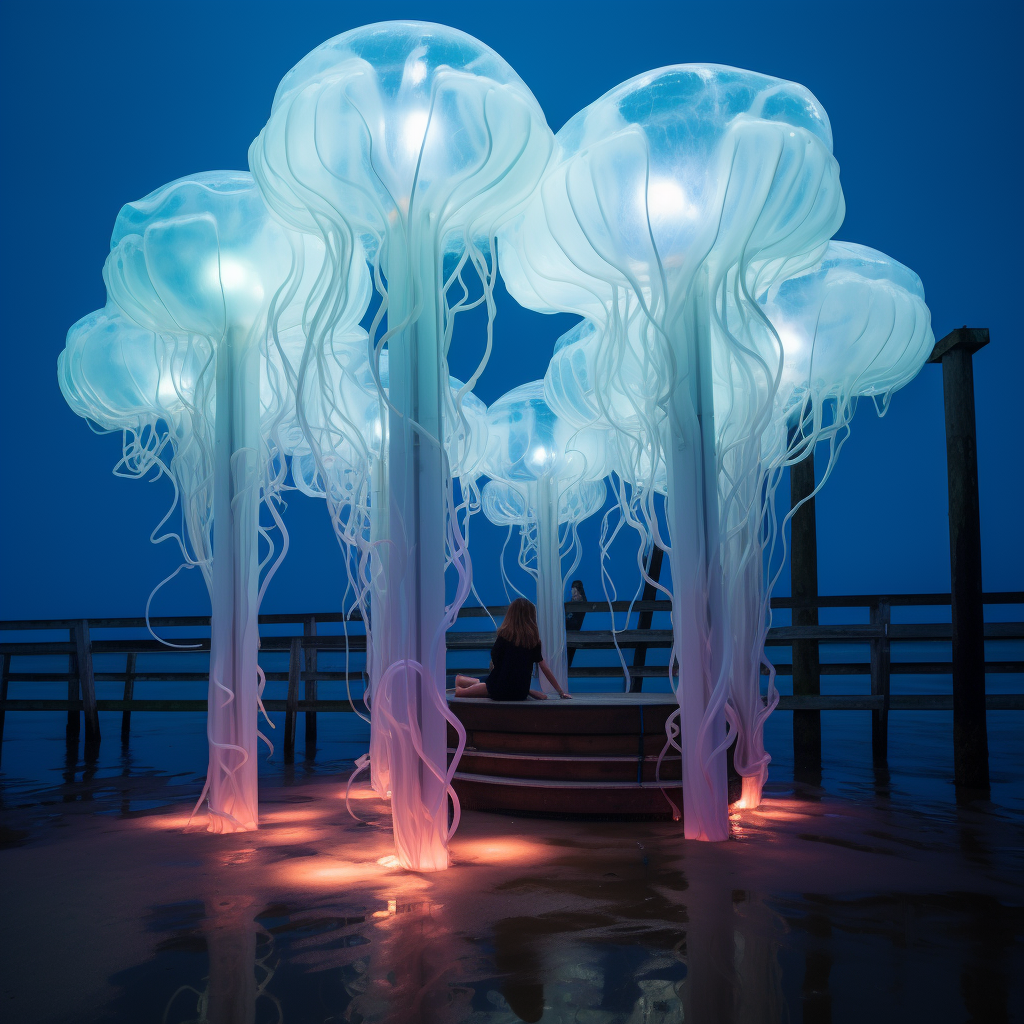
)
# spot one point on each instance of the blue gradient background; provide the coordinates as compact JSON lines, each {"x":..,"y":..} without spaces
{"x":105,"y":102}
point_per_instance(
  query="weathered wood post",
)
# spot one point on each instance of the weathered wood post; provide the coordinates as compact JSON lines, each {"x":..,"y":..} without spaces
{"x":292,"y":705}
{"x":574,"y":622}
{"x":803,"y":575}
{"x":129,"y":695}
{"x":970,"y":733}
{"x":5,"y":675}
{"x":880,"y":615}
{"x":644,"y":619}
{"x":83,"y":652}
{"x":309,"y":630}
{"x":74,"y":726}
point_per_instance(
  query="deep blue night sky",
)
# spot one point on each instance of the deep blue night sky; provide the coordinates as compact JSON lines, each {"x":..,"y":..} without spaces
{"x":105,"y":102}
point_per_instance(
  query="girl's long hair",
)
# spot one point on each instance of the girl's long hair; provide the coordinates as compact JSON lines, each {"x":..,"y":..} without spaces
{"x":520,"y":624}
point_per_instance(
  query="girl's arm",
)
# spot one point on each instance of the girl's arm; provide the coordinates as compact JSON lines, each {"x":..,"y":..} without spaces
{"x":554,"y":682}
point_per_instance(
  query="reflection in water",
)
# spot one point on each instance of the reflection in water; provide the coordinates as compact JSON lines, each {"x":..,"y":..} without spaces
{"x":238,"y":951}
{"x":517,"y":960}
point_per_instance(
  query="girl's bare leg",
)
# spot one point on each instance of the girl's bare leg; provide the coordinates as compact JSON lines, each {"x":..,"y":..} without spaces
{"x":467,"y":686}
{"x":538,"y":695}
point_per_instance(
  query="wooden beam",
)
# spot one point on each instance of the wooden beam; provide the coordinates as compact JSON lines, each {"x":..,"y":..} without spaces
{"x":880,"y":657}
{"x":5,"y":675}
{"x":645,"y":617}
{"x":309,"y":630}
{"x":129,"y":695}
{"x":83,"y":653}
{"x":970,"y":732}
{"x":294,"y":670}
{"x":74,"y":726}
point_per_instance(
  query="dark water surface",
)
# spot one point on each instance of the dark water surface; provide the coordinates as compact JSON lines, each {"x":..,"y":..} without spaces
{"x":868,"y":895}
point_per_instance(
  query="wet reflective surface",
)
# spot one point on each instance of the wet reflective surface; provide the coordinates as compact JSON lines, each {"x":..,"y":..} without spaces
{"x":819,"y":909}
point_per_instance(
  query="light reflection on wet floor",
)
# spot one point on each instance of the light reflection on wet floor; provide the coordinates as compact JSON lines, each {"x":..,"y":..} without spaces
{"x":818,"y":910}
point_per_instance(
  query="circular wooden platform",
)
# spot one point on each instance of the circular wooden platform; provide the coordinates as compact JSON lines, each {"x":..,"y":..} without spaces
{"x":592,"y":756}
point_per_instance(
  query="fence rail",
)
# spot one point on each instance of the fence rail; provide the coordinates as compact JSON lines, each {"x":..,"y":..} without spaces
{"x":880,"y":633}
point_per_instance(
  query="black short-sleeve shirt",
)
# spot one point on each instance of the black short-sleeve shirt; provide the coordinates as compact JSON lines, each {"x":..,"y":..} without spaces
{"x":513,"y":667}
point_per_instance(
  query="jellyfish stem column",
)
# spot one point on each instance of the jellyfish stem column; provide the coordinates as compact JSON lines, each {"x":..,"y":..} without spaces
{"x":413,"y":614}
{"x":550,"y":585}
{"x":234,"y":629}
{"x":698,"y":613}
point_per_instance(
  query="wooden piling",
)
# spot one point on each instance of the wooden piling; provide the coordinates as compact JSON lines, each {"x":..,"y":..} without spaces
{"x":309,"y":630}
{"x":86,"y":682}
{"x":970,"y":734}
{"x":644,"y":619}
{"x":74,"y":726}
{"x":129,"y":694}
{"x":880,"y":615}
{"x":292,"y":706}
{"x":803,"y":570}
{"x":5,"y":675}
{"x":574,"y":621}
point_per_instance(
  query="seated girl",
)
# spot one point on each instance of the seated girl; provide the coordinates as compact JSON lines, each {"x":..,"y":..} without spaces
{"x":513,"y":656}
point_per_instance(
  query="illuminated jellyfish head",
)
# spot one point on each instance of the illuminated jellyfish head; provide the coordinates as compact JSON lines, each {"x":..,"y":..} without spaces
{"x":855,"y":324}
{"x":588,"y":384}
{"x":678,"y":168}
{"x":400,"y":127}
{"x":505,"y":504}
{"x":528,"y":442}
{"x":202,"y":255}
{"x":122,"y":377}
{"x":359,"y":438}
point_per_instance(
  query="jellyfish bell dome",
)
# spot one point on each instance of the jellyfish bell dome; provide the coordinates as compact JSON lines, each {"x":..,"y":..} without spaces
{"x":202,"y":254}
{"x":675,"y":167}
{"x":856,"y":324}
{"x":528,"y":441}
{"x":506,"y":504}
{"x":122,"y":376}
{"x":404,"y":120}
{"x":835,"y":322}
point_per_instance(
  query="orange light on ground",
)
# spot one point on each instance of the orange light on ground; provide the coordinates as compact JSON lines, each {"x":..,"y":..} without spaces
{"x":498,"y":851}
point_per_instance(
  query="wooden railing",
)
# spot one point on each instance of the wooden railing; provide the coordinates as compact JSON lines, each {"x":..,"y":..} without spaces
{"x":880,"y":633}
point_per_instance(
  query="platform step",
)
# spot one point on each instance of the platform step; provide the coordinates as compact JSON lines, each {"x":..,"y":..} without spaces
{"x":585,"y":798}
{"x":568,"y":768}
{"x":570,"y":744}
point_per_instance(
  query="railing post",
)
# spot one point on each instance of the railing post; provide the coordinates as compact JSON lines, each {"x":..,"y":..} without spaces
{"x":292,"y":706}
{"x":644,"y":619}
{"x":574,"y":622}
{"x":309,"y":630}
{"x":129,"y":694}
{"x":74,"y":726}
{"x":803,"y":572}
{"x":970,"y":732}
{"x":83,"y":651}
{"x":880,"y":615}
{"x":5,"y":675}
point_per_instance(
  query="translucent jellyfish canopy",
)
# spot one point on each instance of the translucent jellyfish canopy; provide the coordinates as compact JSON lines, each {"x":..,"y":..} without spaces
{"x":419,"y":141}
{"x":545,"y":475}
{"x":855,"y":324}
{"x":201,"y":258}
{"x":669,"y":203}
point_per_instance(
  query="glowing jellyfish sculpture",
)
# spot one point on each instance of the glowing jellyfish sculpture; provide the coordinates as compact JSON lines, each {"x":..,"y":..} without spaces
{"x":419,"y":141}
{"x":202,"y":260}
{"x":670,"y":203}
{"x":854,"y":325}
{"x":545,"y":475}
{"x":341,"y":462}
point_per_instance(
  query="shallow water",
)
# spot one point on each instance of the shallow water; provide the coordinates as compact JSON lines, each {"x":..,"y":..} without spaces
{"x":867,"y":895}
